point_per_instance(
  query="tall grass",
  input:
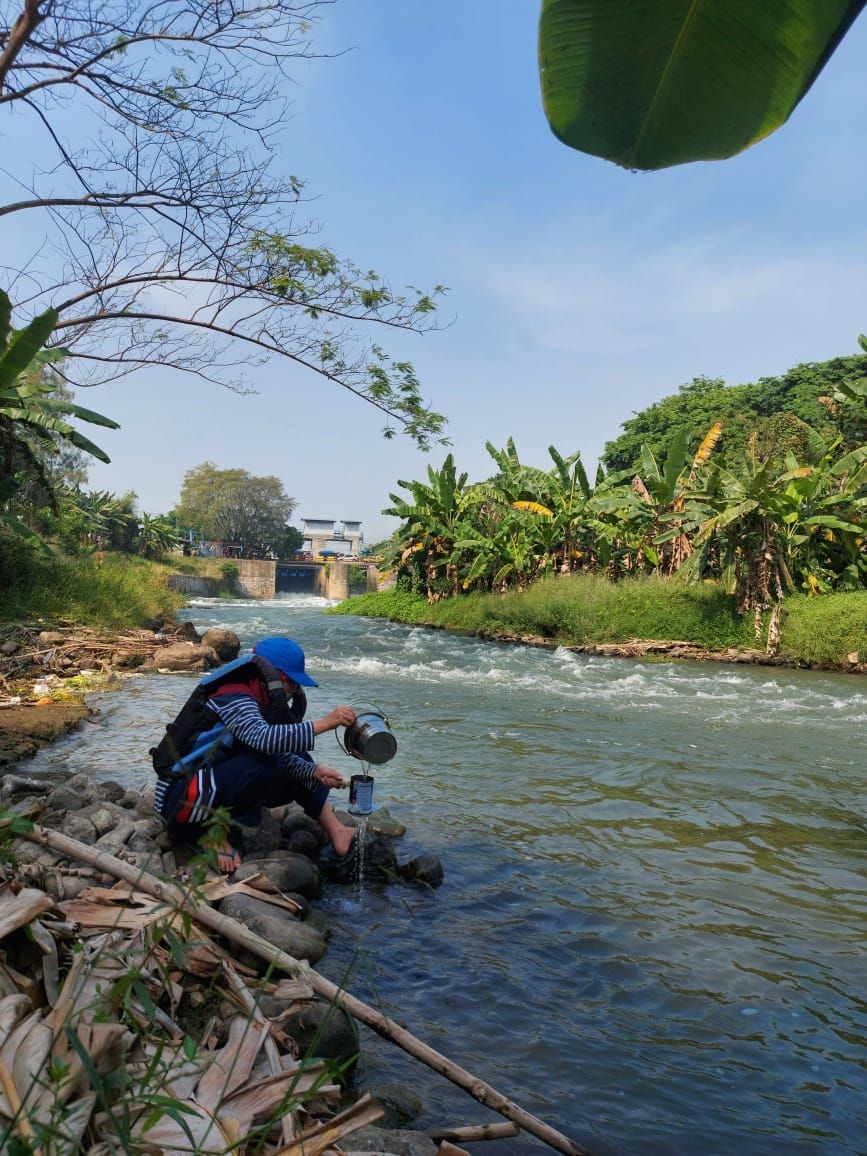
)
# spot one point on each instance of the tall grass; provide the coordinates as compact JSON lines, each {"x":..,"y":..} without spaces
{"x":584,"y":609}
{"x":111,"y":591}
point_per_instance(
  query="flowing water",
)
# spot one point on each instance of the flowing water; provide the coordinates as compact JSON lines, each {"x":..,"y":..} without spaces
{"x":652,"y":928}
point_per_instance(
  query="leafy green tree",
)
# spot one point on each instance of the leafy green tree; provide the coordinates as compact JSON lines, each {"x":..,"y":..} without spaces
{"x":790,"y":412}
{"x":235,"y":506}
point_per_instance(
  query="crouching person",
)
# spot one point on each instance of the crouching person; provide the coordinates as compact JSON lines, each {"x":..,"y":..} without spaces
{"x":241,"y":743}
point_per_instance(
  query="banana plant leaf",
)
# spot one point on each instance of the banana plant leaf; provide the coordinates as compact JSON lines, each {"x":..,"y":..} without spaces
{"x":653,"y":83}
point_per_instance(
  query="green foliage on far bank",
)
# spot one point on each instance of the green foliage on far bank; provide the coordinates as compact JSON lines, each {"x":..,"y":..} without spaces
{"x":587,"y":608}
{"x":111,"y":591}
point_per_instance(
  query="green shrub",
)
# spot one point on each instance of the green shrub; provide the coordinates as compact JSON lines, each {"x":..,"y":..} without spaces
{"x":114,"y":591}
{"x":590,"y":609}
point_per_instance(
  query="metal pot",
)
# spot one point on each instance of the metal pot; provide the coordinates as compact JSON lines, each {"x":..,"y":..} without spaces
{"x":370,"y":738}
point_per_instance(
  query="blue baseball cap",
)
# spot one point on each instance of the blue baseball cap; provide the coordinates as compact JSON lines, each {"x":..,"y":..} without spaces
{"x":287,"y":656}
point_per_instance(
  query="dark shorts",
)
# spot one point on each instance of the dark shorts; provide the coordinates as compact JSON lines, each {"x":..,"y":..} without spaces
{"x":243,"y":785}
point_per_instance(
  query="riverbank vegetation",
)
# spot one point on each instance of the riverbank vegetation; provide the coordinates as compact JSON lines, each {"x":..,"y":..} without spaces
{"x":731,"y":504}
{"x":107,"y":590}
{"x":587,"y":609}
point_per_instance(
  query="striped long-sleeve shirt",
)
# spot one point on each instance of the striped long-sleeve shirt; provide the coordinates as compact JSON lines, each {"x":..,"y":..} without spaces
{"x":286,"y":741}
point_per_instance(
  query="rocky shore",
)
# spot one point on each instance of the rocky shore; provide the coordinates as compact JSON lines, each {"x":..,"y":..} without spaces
{"x":286,"y":864}
{"x":273,"y":894}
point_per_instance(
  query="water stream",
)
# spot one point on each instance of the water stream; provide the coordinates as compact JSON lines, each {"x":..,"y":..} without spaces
{"x":652,"y":927}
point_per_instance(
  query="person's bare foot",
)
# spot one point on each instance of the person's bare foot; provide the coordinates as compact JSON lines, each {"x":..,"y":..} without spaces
{"x":228,"y":859}
{"x":342,"y":839}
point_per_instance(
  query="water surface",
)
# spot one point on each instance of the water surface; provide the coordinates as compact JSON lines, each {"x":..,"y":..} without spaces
{"x":651,"y":932}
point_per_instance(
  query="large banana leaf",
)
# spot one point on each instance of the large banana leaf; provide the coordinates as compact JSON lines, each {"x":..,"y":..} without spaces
{"x":653,"y":83}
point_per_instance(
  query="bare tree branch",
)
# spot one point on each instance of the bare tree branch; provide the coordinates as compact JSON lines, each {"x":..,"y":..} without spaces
{"x":166,"y":193}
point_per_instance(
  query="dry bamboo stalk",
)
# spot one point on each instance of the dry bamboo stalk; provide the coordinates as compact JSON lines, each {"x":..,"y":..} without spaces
{"x":473,"y":1132}
{"x":242,"y":994}
{"x":24,"y":1125}
{"x":204,"y":914}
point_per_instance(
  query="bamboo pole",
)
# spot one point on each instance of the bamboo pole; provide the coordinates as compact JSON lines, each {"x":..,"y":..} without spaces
{"x":204,"y":914}
{"x":473,"y":1132}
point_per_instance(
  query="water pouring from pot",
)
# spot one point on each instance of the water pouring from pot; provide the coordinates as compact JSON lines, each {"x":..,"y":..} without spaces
{"x":369,"y":739}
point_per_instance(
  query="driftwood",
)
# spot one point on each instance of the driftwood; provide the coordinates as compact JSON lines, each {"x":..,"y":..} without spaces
{"x":174,"y":897}
{"x":474,"y":1132}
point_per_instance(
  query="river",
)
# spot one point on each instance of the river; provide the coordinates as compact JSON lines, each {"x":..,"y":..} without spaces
{"x":652,"y":928}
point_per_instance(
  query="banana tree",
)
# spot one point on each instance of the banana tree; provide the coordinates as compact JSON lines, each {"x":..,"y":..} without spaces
{"x":433,"y":522}
{"x":32,"y":419}
{"x":653,"y":83}
{"x":664,"y":490}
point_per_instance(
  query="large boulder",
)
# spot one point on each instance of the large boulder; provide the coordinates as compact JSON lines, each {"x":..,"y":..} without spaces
{"x":225,"y":642}
{"x":281,"y":929}
{"x":185,"y":656}
{"x":287,"y":871}
{"x":321,"y":1030}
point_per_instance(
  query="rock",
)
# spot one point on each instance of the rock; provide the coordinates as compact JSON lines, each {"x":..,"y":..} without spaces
{"x":379,"y":862}
{"x":289,"y":872}
{"x":378,"y":823}
{"x":305,"y":843}
{"x":139,"y":841}
{"x":51,"y":638}
{"x":10,"y":647}
{"x":258,"y":841}
{"x":185,"y":656}
{"x":104,"y":819}
{"x":83,"y":785}
{"x":295,"y":819}
{"x":15,"y":785}
{"x":130,"y":800}
{"x":64,"y":799}
{"x":110,"y":791}
{"x":225,"y":642}
{"x":853,"y":657}
{"x":400,"y":1103}
{"x":278,"y":927}
{"x":373,"y":1140}
{"x":322,"y":1030}
{"x":426,"y":869}
{"x":304,"y":906}
{"x":79,"y":827}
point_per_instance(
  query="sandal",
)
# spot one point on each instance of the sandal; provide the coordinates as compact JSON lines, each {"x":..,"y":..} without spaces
{"x":228,"y":860}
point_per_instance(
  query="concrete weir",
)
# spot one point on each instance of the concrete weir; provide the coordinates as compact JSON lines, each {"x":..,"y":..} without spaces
{"x":267,"y":579}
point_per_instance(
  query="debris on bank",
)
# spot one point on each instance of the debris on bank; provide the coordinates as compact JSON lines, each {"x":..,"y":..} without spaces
{"x":147,"y":1002}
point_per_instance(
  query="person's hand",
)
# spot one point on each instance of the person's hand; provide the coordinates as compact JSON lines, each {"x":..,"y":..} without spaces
{"x":341,"y":716}
{"x":328,"y":776}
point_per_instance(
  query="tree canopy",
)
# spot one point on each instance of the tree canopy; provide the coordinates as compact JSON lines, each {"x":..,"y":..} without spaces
{"x":146,"y":146}
{"x":792,"y":412}
{"x":234,"y":506}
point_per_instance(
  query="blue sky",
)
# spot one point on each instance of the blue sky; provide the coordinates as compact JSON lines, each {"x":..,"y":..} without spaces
{"x":578,"y":292}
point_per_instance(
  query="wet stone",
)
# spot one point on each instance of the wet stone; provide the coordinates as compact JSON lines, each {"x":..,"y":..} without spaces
{"x":279,"y":928}
{"x":324,"y":1031}
{"x":65,"y":799}
{"x":401,"y":1105}
{"x":425,"y":869}
{"x":110,"y":791}
{"x":289,"y":872}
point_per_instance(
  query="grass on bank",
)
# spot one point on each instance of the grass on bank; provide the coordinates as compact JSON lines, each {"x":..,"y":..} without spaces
{"x":110,"y":591}
{"x":584,"y":609}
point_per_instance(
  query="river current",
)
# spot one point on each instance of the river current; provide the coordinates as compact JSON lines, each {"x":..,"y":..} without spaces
{"x":652,"y":928}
